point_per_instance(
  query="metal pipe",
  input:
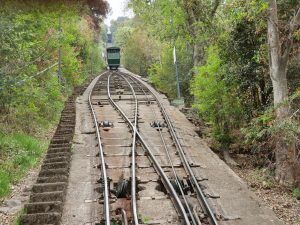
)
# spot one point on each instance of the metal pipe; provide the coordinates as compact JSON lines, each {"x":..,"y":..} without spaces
{"x":196,"y":214}
{"x":101,"y":154}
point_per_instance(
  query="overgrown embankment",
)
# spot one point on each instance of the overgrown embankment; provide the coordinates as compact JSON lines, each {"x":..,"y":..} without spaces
{"x":34,"y":37}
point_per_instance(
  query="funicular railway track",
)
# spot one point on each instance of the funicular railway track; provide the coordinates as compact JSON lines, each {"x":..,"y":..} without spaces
{"x":145,"y":175}
{"x":148,"y":174}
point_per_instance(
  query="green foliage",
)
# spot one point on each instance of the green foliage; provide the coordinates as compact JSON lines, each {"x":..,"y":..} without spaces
{"x":296,"y":193}
{"x":264,"y":178}
{"x":17,"y":220}
{"x":145,"y":219}
{"x":164,"y":19}
{"x":259,"y":128}
{"x":122,"y":35}
{"x":263,"y":128}
{"x":244,"y":49}
{"x":30,"y":102}
{"x":216,"y":101}
{"x":116,"y":222}
{"x":18,"y":152}
{"x":29,"y":42}
{"x":223,"y":59}
{"x":139,"y":50}
{"x":162,"y":73}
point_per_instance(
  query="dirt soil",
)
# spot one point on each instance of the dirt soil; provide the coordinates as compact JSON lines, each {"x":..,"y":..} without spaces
{"x":278,"y":198}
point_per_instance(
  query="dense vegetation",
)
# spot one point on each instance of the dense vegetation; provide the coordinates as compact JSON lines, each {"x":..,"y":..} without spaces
{"x":31,"y":95}
{"x":239,"y":68}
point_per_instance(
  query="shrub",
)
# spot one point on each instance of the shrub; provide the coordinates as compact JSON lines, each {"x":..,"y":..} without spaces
{"x":215,"y":100}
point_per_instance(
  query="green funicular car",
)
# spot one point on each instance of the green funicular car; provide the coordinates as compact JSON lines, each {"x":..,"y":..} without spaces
{"x":113,"y":57}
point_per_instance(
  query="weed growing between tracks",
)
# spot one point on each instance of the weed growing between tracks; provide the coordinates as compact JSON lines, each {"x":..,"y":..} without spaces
{"x":18,"y":153}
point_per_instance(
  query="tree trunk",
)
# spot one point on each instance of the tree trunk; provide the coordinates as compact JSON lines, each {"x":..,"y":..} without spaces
{"x":198,"y":55}
{"x":284,"y":150}
{"x":263,"y":92}
{"x":287,"y":165}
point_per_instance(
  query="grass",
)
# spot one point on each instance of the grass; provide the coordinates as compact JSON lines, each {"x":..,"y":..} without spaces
{"x":17,"y":220}
{"x":296,"y":193}
{"x":18,"y":153}
{"x":115,"y":223}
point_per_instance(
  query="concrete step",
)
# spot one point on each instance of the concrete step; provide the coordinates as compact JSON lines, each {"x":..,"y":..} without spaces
{"x":53,"y":172}
{"x":49,"y":187}
{"x":47,"y":196}
{"x":53,"y":179}
{"x":64,"y":159}
{"x":44,"y":207}
{"x":55,"y":165}
{"x":56,"y":155}
{"x":41,"y":218}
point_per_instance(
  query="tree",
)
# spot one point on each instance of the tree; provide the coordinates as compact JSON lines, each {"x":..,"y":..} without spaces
{"x":29,"y":40}
{"x":287,"y":163}
{"x":199,"y":16}
{"x":216,"y":100}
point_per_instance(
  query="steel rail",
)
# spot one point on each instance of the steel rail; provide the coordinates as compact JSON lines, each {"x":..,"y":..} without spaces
{"x":101,"y":155}
{"x":133,"y":158}
{"x":194,"y":182}
{"x":196,"y":220}
{"x":151,"y":155}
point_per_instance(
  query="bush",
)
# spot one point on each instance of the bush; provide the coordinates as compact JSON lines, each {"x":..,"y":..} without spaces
{"x":265,"y":126}
{"x":215,"y":100}
{"x":29,"y":43}
{"x":30,"y":104}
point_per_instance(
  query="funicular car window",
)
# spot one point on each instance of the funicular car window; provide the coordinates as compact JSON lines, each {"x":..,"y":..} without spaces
{"x":113,"y":54}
